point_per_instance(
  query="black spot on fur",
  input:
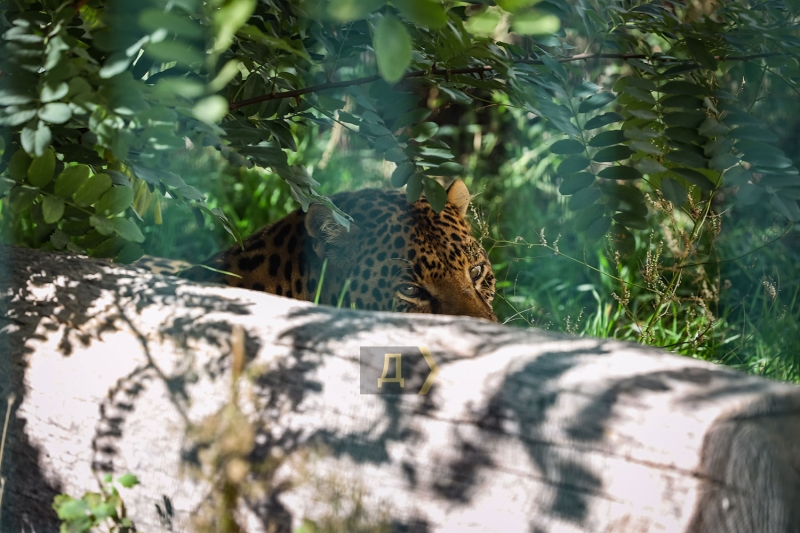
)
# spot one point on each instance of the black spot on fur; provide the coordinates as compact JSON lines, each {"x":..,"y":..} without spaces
{"x":258,"y":287}
{"x":248,"y":264}
{"x":274,"y":264}
{"x":282,"y":234}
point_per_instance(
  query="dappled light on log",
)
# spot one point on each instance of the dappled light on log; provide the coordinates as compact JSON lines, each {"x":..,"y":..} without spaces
{"x":117,"y":370}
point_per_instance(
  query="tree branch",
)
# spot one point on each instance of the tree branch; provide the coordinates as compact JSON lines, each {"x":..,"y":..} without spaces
{"x":467,"y":70}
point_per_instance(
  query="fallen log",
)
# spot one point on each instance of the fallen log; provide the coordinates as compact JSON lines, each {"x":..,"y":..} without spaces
{"x":227,"y":402}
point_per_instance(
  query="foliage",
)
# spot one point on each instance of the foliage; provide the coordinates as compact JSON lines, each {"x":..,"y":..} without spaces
{"x":95,"y":509}
{"x":659,"y":116}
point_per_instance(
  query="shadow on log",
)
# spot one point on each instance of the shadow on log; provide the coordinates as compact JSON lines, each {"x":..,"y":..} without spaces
{"x":117,"y":370}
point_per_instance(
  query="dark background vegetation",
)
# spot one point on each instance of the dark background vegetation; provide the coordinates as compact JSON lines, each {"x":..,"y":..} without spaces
{"x":738,"y":305}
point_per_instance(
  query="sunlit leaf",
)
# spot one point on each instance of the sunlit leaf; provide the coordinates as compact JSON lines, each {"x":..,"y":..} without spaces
{"x":392,"y":46}
{"x":52,"y":209}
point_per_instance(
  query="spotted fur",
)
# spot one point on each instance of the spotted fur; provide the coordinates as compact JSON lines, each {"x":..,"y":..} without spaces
{"x":396,"y":256}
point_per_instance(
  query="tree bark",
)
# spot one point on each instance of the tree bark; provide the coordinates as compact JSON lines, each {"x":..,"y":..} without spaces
{"x":118,"y":370}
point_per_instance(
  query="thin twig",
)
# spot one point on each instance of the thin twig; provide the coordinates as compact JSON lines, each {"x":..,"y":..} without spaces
{"x":466,"y":70}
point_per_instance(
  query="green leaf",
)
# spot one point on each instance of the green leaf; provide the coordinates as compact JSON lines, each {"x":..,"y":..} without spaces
{"x":51,"y":93}
{"x":52,"y":209}
{"x":585,"y":89}
{"x":435,"y":194}
{"x":566,"y":146}
{"x":183,"y":26}
{"x":650,"y":167}
{"x":758,"y":148}
{"x":345,"y":10}
{"x":183,"y":53}
{"x":684,"y":119}
{"x":70,"y":509}
{"x":786,"y":207}
{"x":630,"y":220}
{"x":130,"y":253}
{"x":92,"y":189}
{"x":42,"y":168}
{"x":211,"y":109}
{"x":412,"y":117}
{"x":424,"y":131}
{"x":701,"y":54}
{"x":639,"y":94}
{"x":596,"y":101}
{"x":385,"y":142}
{"x":59,"y":239}
{"x":36,"y":141}
{"x":687,"y":158}
{"x":585,"y":218}
{"x":426,"y":13}
{"x":21,"y":197}
{"x":558,"y":114}
{"x":584,"y":198}
{"x":737,"y":176}
{"x":644,"y":114}
{"x":392,"y":46}
{"x":694,"y":177}
{"x":723,"y":161}
{"x":624,"y":240}
{"x":115,"y":201}
{"x":55,"y":113}
{"x":414,"y":187}
{"x":750,"y":133}
{"x":128,"y":480}
{"x":619,"y":172}
{"x":536,"y":23}
{"x":330,"y":104}
{"x":127,"y":229}
{"x":641,"y":134}
{"x":450,"y":168}
{"x":684,"y":135}
{"x":402,"y":173}
{"x":575,"y":182}
{"x":646,"y":147}
{"x":102,"y":224}
{"x":613,"y":153}
{"x":598,"y":228}
{"x":70,"y":180}
{"x":682,"y":87}
{"x":749,"y":194}
{"x":483,"y":22}
{"x":681,"y":101}
{"x":573,"y":164}
{"x":5,"y":186}
{"x":674,"y":191}
{"x":18,"y":166}
{"x":116,"y":63}
{"x":607,"y":138}
{"x":395,"y":155}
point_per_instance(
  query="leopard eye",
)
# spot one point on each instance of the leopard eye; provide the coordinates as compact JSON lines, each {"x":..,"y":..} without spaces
{"x":475,"y":272}
{"x":408,"y":290}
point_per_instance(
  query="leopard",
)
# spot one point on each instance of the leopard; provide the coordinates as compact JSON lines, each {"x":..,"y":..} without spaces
{"x":396,"y":256}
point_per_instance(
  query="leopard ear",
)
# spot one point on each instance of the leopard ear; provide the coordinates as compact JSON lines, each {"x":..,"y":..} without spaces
{"x":458,"y":196}
{"x":326,"y":232}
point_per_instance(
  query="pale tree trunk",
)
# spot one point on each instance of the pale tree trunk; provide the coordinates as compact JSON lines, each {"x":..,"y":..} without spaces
{"x":117,"y":370}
